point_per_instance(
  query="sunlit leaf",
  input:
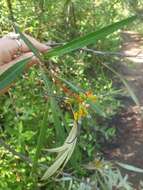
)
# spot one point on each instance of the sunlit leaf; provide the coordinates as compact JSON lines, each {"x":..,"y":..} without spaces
{"x":89,"y":38}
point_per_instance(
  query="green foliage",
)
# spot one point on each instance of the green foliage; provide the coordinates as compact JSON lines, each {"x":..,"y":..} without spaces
{"x":37,"y":113}
{"x":90,"y":38}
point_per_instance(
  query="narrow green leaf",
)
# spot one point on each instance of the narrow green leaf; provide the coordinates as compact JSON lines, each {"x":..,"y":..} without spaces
{"x":12,"y":73}
{"x":28,"y":42}
{"x":54,"y":105}
{"x":71,"y":85}
{"x":41,"y":138}
{"x":56,"y":111}
{"x":89,"y":38}
{"x":130,"y":167}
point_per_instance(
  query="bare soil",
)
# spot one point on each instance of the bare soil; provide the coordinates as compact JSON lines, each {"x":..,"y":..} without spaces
{"x":129,"y":123}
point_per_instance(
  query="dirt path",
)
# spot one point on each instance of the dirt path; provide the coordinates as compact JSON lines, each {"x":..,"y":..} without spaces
{"x":129,"y":142}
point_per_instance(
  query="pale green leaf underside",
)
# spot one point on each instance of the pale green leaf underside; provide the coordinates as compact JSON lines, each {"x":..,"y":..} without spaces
{"x":130,"y":167}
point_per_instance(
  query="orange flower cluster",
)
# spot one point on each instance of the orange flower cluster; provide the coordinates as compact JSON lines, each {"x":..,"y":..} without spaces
{"x":78,"y":99}
{"x":82,"y":112}
{"x":83,"y":105}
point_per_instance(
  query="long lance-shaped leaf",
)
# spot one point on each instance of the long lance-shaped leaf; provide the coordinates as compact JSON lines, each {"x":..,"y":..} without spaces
{"x":54,"y":167}
{"x":89,"y":38}
{"x":130,"y":167}
{"x":70,"y":152}
{"x":28,"y":42}
{"x":64,"y":153}
{"x":68,"y":140}
{"x":57,"y":114}
{"x":71,"y":139}
{"x":12,"y":73}
{"x":61,"y":160}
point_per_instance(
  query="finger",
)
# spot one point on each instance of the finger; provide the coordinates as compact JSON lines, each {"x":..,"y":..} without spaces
{"x":41,"y":47}
{"x":10,"y":47}
{"x":33,"y":60}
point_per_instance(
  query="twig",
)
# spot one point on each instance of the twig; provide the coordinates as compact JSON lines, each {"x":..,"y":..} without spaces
{"x":107,"y":53}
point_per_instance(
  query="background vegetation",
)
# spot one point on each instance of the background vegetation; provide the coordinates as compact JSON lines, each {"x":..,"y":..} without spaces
{"x":28,"y":106}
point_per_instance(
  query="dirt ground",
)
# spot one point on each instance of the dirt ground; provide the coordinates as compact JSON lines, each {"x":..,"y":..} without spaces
{"x":129,"y":122}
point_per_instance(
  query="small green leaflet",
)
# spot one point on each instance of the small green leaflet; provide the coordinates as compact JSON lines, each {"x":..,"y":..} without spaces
{"x":89,"y":38}
{"x":12,"y":73}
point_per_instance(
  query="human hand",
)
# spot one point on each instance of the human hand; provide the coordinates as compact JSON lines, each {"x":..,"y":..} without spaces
{"x":9,"y":52}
